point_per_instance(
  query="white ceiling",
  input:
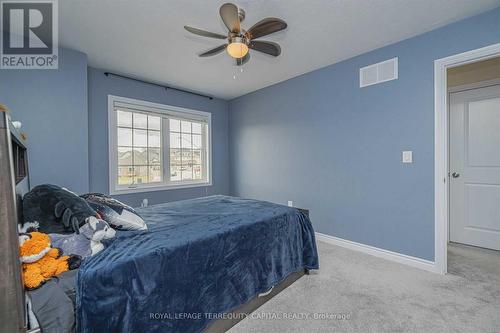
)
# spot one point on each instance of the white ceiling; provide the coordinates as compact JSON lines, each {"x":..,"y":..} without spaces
{"x":146,"y":38}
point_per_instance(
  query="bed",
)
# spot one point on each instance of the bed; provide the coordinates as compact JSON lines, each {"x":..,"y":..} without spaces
{"x":199,"y":259}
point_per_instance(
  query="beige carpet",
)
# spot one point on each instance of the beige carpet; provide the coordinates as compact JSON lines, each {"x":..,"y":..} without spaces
{"x":361,"y":293}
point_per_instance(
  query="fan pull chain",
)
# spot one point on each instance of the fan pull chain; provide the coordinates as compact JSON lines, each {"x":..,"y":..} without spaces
{"x":235,"y":73}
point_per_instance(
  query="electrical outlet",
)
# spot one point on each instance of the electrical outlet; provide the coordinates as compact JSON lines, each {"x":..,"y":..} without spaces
{"x":407,"y":156}
{"x":290,"y":203}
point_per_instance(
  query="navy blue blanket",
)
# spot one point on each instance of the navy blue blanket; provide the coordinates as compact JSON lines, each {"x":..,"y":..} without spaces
{"x":198,"y":259}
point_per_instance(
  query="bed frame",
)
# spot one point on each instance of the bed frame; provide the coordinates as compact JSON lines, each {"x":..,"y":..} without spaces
{"x":13,"y":313}
{"x":223,"y":325}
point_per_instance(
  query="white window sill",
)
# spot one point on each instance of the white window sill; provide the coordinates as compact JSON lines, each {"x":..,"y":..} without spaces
{"x":162,"y":187}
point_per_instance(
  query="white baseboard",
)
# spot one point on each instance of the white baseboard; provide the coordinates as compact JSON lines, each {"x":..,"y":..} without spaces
{"x":380,"y":253}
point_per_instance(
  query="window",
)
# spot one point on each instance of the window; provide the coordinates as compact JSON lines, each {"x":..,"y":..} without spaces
{"x":139,"y":148}
{"x":156,"y":147}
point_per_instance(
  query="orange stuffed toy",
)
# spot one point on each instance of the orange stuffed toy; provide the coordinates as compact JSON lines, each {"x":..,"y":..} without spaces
{"x":40,"y":261}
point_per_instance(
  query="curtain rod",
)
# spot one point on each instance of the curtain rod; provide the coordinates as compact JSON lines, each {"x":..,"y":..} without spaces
{"x":157,"y":84}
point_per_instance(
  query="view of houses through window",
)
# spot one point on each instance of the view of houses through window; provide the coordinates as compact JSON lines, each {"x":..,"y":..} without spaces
{"x":185,"y":150}
{"x":155,"y":149}
{"x":139,"y":148}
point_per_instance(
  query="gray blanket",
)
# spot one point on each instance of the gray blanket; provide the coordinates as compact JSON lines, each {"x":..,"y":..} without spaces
{"x":53,"y":304}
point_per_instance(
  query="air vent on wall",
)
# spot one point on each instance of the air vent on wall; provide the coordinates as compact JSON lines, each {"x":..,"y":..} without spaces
{"x":377,"y":73}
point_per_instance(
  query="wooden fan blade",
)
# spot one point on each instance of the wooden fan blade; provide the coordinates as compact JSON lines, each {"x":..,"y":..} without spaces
{"x":229,"y":14}
{"x":270,"y":48}
{"x":244,"y":60}
{"x":213,"y":51}
{"x":204,"y":33}
{"x":266,"y":27}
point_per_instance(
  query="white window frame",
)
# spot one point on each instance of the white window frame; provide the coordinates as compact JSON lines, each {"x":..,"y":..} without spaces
{"x":161,"y":109}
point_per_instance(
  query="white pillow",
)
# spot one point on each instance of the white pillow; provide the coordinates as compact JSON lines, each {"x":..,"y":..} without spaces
{"x":119,"y":215}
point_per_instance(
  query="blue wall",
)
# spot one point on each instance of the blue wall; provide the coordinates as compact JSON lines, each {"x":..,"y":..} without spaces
{"x":100,"y":86}
{"x":52,"y":105}
{"x":321,"y":141}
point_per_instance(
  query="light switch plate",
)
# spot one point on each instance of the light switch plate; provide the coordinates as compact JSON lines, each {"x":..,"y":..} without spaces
{"x":407,"y":156}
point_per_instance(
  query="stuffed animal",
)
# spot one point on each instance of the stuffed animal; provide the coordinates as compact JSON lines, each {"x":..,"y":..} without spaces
{"x":119,"y":215}
{"x":57,"y":209}
{"x":88,"y":241}
{"x":41,"y":261}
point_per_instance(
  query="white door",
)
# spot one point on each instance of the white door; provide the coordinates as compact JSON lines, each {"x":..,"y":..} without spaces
{"x":475,"y":167}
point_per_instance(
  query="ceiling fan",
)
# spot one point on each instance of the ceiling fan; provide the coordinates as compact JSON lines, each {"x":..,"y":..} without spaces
{"x":239,"y":41}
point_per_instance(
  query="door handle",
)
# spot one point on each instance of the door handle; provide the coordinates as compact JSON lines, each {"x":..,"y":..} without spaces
{"x":455,"y":175}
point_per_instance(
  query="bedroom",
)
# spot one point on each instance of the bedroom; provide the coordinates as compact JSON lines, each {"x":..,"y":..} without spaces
{"x":111,"y":108}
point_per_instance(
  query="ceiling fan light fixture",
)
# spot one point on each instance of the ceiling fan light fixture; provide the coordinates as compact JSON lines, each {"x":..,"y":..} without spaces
{"x":239,"y":40}
{"x":238,"y":48}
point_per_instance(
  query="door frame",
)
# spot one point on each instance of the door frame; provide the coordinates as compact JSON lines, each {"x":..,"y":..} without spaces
{"x":475,"y":85}
{"x":441,"y":204}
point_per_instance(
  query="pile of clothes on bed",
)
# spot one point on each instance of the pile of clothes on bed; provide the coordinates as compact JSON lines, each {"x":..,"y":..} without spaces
{"x":60,"y":230}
